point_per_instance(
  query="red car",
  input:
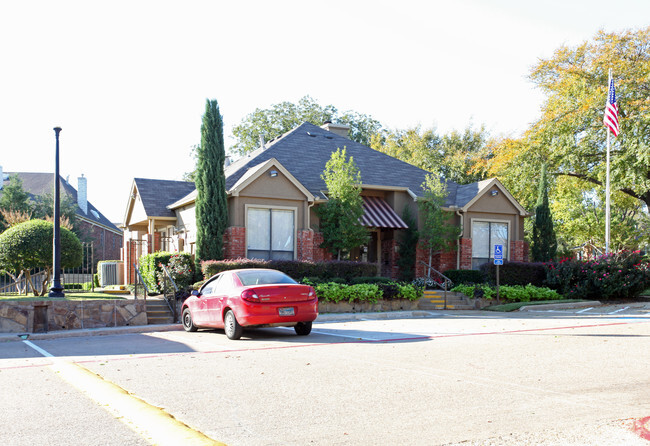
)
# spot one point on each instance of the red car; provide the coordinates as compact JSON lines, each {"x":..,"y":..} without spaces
{"x":252,"y":297}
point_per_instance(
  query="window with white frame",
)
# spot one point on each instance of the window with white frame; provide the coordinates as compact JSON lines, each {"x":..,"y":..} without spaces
{"x":486,"y":234}
{"x":270,"y":233}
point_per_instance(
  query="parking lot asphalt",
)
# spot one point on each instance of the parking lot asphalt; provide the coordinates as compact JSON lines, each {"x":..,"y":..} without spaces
{"x":586,"y":308}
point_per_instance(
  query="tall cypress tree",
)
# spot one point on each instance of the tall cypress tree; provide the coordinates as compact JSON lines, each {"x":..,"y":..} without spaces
{"x":544,"y":246}
{"x":211,"y":206}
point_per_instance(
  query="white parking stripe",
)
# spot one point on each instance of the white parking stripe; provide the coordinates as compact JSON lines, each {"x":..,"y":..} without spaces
{"x":619,"y":310}
{"x":585,"y":310}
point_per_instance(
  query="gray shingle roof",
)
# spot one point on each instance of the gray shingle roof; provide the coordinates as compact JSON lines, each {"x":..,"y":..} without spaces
{"x":40,"y":183}
{"x":156,"y":195}
{"x":305,"y":151}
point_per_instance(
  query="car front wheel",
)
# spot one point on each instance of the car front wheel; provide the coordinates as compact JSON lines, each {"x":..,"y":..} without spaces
{"x":303,"y":328}
{"x":231,"y":326}
{"x":188,"y":323}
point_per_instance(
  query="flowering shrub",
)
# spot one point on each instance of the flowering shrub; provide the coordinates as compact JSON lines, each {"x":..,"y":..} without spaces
{"x":615,"y":276}
{"x":150,"y":269}
{"x":181,"y":269}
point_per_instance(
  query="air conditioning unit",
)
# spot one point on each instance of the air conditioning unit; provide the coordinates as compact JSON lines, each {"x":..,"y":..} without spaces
{"x":111,"y":273}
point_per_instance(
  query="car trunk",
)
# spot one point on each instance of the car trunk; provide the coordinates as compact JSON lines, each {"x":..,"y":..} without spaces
{"x":283,"y":293}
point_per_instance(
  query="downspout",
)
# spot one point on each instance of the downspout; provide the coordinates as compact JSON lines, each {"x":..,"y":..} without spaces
{"x":462,"y":222}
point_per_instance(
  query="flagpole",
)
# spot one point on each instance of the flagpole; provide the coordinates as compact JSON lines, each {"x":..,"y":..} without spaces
{"x":607,"y":203}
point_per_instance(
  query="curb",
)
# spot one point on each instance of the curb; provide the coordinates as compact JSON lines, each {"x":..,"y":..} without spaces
{"x":107,"y":331}
{"x":562,"y":306}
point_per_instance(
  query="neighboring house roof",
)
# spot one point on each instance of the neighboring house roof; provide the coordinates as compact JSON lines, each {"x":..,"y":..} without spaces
{"x":157,"y":195}
{"x":40,"y":183}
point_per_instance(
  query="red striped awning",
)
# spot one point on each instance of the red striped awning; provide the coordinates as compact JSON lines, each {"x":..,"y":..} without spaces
{"x":378,"y":214}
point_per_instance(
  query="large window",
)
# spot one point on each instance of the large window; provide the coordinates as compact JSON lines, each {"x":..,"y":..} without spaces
{"x":486,"y":234}
{"x":270,"y":234}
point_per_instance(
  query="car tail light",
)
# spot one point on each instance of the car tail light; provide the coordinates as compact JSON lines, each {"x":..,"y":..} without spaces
{"x":312,"y":292}
{"x":250,"y":296}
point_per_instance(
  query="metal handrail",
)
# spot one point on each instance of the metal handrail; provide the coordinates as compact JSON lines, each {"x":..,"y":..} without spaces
{"x":170,"y":304}
{"x":139,"y":276}
{"x":446,"y":283}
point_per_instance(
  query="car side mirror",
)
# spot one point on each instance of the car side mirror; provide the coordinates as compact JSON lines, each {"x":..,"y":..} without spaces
{"x":195,"y":293}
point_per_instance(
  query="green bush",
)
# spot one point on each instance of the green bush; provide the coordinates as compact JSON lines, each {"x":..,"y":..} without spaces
{"x":516,"y":273}
{"x":364,"y":292}
{"x":515,"y":293}
{"x":181,"y":268}
{"x":150,"y":269}
{"x":460,"y":276}
{"x":622,"y":275}
{"x":346,"y":270}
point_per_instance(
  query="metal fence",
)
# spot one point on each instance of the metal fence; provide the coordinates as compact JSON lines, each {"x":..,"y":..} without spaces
{"x":79,"y":279}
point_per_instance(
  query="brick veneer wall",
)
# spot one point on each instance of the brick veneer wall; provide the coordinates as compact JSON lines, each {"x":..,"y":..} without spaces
{"x":234,"y":242}
{"x":320,"y":254}
{"x":519,"y":251}
{"x":305,"y":245}
{"x":106,"y":244}
{"x":465,"y":253}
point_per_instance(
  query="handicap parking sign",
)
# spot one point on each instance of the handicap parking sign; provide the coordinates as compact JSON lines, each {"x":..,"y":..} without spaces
{"x":498,"y":254}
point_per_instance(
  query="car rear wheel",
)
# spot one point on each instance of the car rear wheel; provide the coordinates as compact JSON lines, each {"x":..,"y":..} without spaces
{"x":231,"y":326}
{"x":188,"y":323}
{"x":303,"y":328}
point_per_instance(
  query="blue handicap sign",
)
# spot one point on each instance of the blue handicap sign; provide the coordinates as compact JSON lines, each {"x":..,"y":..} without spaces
{"x":498,"y":261}
{"x":498,"y":252}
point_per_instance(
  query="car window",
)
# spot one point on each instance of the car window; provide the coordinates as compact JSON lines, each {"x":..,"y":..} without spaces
{"x":263,"y":277}
{"x":209,"y":287}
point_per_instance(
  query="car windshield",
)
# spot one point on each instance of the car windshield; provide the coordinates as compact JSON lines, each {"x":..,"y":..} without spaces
{"x":263,"y":277}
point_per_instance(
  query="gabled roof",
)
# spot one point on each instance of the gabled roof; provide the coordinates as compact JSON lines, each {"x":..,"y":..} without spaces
{"x":40,"y":183}
{"x":468,"y":194}
{"x":305,"y":151}
{"x":157,"y":195}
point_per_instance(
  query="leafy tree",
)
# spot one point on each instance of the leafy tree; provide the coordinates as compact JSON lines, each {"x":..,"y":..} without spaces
{"x":28,"y":245}
{"x":340,"y":216}
{"x":14,"y":200}
{"x":456,"y":156}
{"x":43,"y":209}
{"x":544,"y":246}
{"x":571,"y":138}
{"x":437,"y":231}
{"x":211,"y":205}
{"x":407,"y":247}
{"x":280,"y":118}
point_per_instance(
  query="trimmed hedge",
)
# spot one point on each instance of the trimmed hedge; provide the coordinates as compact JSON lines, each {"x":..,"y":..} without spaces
{"x":460,"y":276}
{"x":516,"y":273}
{"x":364,"y":292}
{"x":294,"y":268}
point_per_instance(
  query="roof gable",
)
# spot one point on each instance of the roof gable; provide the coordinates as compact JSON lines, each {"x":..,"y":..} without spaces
{"x":305,"y":150}
{"x":157,"y":195}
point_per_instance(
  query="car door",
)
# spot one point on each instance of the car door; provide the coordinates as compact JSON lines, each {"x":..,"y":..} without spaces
{"x":215,"y":301}
{"x":200,"y":312}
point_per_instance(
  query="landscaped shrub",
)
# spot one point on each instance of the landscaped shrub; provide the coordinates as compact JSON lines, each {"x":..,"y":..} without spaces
{"x":150,"y":267}
{"x":364,"y":292}
{"x":622,"y":275}
{"x":293,"y":268}
{"x":460,"y":276}
{"x":516,"y":273}
{"x":514,"y":293}
{"x":373,"y":279}
{"x":181,"y":268}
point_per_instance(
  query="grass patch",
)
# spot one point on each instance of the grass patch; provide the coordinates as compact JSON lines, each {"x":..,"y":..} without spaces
{"x":68,"y":296}
{"x":514,"y":306}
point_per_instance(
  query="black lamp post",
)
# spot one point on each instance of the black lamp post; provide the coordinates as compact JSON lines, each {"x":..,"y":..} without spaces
{"x":57,"y":289}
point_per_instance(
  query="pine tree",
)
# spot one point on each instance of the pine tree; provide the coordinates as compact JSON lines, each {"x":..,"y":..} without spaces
{"x":211,"y":206}
{"x":544,"y":246}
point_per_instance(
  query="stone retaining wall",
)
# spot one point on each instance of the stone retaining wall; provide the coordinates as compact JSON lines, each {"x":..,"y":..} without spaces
{"x":367,"y":307}
{"x":50,"y":315}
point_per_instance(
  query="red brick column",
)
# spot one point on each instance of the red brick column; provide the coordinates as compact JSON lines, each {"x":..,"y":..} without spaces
{"x":389,"y":266}
{"x":519,"y":251}
{"x":465,"y":253}
{"x":234,"y":242}
{"x":305,"y":246}
{"x":130,"y":259}
{"x":320,"y":254}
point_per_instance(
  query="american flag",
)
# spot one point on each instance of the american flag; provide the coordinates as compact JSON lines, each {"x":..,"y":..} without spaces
{"x":611,"y":110}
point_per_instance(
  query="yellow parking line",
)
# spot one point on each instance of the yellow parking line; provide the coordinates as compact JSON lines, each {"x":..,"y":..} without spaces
{"x":151,"y":422}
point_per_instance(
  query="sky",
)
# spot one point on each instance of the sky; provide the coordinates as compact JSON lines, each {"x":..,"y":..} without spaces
{"x":127,"y":81}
